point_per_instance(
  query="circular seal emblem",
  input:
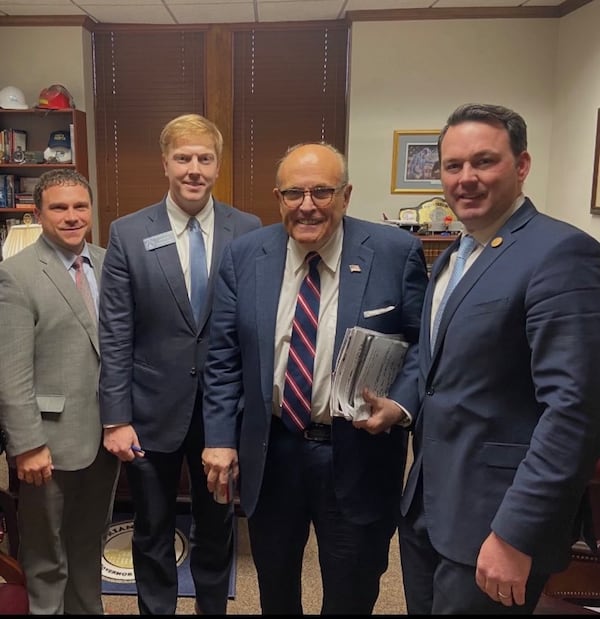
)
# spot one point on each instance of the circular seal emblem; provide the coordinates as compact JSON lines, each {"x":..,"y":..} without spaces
{"x":117,"y":561}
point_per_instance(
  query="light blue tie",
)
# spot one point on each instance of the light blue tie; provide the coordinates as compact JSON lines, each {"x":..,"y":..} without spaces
{"x":466,"y":247}
{"x":198,"y":272}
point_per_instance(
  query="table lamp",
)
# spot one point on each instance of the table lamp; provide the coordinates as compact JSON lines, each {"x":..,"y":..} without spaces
{"x":20,"y":236}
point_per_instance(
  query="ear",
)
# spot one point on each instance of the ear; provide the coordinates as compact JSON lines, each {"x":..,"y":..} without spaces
{"x":347,"y":193}
{"x":523,"y":165}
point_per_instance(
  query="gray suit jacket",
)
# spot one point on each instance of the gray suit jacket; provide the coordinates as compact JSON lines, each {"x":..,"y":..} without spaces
{"x":46,"y":327}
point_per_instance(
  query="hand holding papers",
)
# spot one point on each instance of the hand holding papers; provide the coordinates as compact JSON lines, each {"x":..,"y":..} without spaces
{"x":366,"y":359}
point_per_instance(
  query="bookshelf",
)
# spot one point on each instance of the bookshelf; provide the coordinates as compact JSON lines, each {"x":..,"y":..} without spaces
{"x":434,"y":245}
{"x":37,"y":124}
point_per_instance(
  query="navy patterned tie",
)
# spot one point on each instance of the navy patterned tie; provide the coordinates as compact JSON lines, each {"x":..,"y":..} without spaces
{"x":465,"y":249}
{"x":297,"y":391}
{"x":198,"y":272}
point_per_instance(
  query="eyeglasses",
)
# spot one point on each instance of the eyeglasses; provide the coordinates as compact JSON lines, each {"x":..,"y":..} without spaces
{"x":321,"y":196}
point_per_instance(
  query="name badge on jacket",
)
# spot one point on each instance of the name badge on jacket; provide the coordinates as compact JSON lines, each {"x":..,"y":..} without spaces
{"x":159,"y":240}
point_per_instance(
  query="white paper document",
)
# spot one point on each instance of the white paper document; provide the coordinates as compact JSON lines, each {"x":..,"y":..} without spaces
{"x":366,"y":359}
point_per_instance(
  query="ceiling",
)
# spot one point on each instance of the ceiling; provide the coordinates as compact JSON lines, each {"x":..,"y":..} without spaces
{"x":232,"y":11}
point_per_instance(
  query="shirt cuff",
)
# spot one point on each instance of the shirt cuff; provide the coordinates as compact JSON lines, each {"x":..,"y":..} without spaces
{"x":406,"y":418}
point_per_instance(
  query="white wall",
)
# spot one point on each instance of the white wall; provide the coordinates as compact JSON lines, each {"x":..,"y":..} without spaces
{"x":576,"y":99}
{"x":411,"y":75}
{"x":33,"y":58}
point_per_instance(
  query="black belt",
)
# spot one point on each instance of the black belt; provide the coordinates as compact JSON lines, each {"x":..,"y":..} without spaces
{"x":318,"y":432}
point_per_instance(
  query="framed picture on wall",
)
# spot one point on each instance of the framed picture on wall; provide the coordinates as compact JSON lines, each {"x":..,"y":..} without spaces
{"x":595,"y":208}
{"x":415,"y":163}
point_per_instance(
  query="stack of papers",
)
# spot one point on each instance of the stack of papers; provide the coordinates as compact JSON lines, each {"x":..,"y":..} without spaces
{"x":366,"y":359}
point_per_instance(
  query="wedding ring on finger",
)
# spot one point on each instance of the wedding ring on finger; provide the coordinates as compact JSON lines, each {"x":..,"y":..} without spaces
{"x":504,"y":597}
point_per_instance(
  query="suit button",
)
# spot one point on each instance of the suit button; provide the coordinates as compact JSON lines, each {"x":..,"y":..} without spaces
{"x":430,"y":392}
{"x":193,"y":372}
{"x":199,"y":339}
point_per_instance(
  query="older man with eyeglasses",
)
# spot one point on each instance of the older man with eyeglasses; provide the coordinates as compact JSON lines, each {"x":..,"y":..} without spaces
{"x":284,"y":299}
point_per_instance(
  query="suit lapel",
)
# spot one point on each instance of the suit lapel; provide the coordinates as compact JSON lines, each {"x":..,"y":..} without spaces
{"x":168,"y":260}
{"x":355,"y":266}
{"x":503,"y":239}
{"x":269,"y":275}
{"x":222,"y":236}
{"x":55,"y":270}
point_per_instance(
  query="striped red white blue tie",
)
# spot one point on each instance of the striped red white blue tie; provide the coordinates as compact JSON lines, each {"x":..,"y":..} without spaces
{"x":297,"y":391}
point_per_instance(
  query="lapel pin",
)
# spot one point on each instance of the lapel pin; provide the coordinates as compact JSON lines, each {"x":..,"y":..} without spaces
{"x":354,"y":268}
{"x":497,"y":241}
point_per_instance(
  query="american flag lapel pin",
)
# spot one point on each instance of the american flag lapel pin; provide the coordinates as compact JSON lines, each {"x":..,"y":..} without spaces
{"x":354,"y":268}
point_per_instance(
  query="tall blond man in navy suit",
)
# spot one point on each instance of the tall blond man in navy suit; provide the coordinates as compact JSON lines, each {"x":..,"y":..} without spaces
{"x":508,"y":431}
{"x":153,"y":349}
{"x":49,"y":366}
{"x":342,"y":479}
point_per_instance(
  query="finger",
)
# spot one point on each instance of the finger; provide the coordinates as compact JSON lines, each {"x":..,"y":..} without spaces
{"x":505,"y":598}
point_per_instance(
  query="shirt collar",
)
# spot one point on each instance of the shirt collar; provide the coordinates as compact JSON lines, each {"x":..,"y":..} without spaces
{"x":485,"y":235}
{"x":179,"y":218}
{"x":330,"y":252}
{"x":67,"y":257}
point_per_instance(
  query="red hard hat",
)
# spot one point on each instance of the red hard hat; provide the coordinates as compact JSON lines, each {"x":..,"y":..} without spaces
{"x":56,"y":97}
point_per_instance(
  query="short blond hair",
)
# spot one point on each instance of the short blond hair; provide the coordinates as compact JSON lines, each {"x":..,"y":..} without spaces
{"x":189,"y":126}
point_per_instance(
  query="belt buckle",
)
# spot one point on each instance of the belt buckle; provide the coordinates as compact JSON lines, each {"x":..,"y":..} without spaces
{"x":324,"y":438}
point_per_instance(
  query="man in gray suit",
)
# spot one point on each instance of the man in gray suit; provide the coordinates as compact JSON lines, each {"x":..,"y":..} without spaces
{"x":153,"y":338}
{"x":49,"y":364}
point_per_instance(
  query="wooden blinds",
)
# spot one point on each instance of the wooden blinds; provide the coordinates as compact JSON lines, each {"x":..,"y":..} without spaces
{"x":289,"y":87}
{"x":143,"y":79}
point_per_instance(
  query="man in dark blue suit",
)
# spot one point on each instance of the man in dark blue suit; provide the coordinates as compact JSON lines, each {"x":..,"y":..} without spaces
{"x":344,"y":480}
{"x":153,"y":346}
{"x":508,"y":431}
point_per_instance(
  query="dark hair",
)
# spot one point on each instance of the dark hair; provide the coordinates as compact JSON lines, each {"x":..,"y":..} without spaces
{"x":496,"y":115}
{"x":60,"y":176}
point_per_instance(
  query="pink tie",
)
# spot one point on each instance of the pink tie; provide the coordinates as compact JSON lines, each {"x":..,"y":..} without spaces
{"x":84,"y":287}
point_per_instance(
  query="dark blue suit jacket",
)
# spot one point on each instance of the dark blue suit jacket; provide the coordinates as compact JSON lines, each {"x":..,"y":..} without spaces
{"x":509,"y":427}
{"x":152,"y":351}
{"x":367,"y":469}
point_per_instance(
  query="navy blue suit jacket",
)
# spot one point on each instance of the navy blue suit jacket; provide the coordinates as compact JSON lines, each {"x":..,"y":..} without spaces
{"x":151,"y":349}
{"x":509,"y":427}
{"x":367,"y":469}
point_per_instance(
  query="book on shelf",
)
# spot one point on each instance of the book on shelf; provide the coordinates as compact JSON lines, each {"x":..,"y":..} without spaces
{"x":13,"y":144}
{"x":9,"y":186}
{"x":27,"y":183}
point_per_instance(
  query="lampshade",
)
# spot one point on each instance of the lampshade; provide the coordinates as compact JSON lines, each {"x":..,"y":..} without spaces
{"x":20,"y":236}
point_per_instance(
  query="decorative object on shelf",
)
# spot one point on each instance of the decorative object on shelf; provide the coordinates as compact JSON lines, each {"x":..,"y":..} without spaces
{"x":20,"y":236}
{"x":595,"y":207}
{"x":430,"y":217}
{"x":415,"y":163}
{"x":12,"y":98}
{"x":56,"y":97}
{"x":59,"y":147}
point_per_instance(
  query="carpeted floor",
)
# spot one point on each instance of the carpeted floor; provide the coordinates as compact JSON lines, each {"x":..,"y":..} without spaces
{"x":390,"y":602}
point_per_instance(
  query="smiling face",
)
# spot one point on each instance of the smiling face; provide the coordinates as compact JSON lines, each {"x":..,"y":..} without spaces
{"x":66,"y":215}
{"x":192,"y":167}
{"x":480,"y":174}
{"x":304,"y":168}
